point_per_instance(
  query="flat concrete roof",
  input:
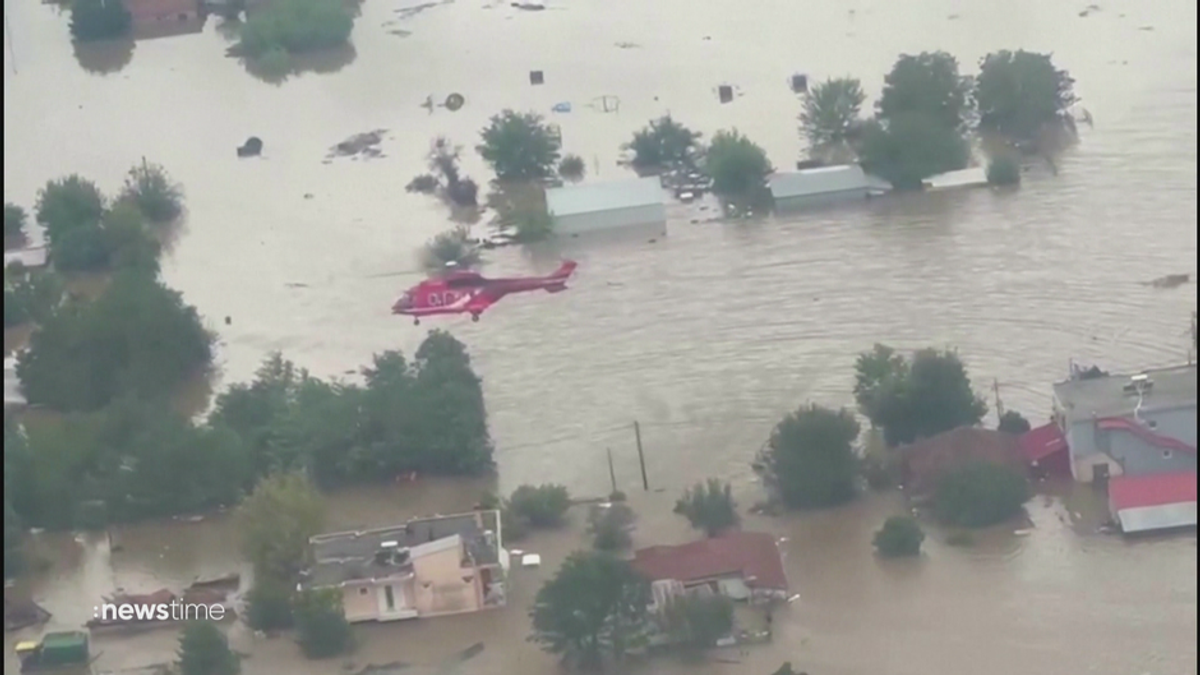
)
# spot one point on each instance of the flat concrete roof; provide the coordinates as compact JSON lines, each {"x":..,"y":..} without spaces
{"x":1173,"y":387}
{"x":820,"y":181}
{"x":624,"y":194}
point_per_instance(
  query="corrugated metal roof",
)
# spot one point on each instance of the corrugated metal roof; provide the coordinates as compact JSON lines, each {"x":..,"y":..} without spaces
{"x":755,"y":555}
{"x":1043,"y":441}
{"x":819,"y":181}
{"x":624,"y":194}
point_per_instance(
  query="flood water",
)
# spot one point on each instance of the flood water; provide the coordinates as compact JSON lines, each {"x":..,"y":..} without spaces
{"x":708,"y":335}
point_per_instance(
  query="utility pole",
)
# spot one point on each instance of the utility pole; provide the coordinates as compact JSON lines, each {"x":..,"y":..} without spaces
{"x":637,"y":433}
{"x":999,"y":403}
{"x":612,"y":474}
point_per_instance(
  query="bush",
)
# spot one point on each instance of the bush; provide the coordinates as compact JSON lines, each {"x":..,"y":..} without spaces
{"x":296,"y":27}
{"x":879,"y":473}
{"x":151,"y":190}
{"x":274,"y":64}
{"x":912,"y":146}
{"x":611,"y":528}
{"x":67,"y":204}
{"x":519,"y":147}
{"x":661,"y":144}
{"x":1003,"y":171}
{"x":900,"y":536}
{"x":543,"y":506}
{"x":93,"y":20}
{"x":809,"y":461}
{"x":1011,"y":422}
{"x":709,"y":506}
{"x":203,"y":650}
{"x":980,"y":494}
{"x":32,"y":296}
{"x":450,"y":247}
{"x":572,"y":168}
{"x":269,"y":605}
{"x":321,"y":626}
{"x":738,"y":167}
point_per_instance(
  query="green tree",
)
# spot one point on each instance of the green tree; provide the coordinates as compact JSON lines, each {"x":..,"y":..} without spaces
{"x":15,"y":220}
{"x":572,"y":168}
{"x":121,"y":240}
{"x":661,"y":144}
{"x":137,"y":338}
{"x":93,"y":20}
{"x":14,"y":557}
{"x":872,"y":370}
{"x":520,"y":147}
{"x":697,"y":621}
{"x":31,"y":296}
{"x":276,"y":521}
{"x":1019,"y":94}
{"x":203,"y":650}
{"x":900,"y":536}
{"x":709,"y":506}
{"x":1012,"y":422}
{"x":909,"y":147}
{"x":927,"y":85}
{"x":610,"y":528}
{"x":928,"y":395}
{"x":321,"y":625}
{"x":542,"y":505}
{"x":593,"y":609}
{"x":296,"y":27}
{"x":980,"y":494}
{"x":810,"y":460}
{"x":830,"y":116}
{"x":151,"y":190}
{"x":738,"y":167}
{"x":269,"y":605}
{"x":69,"y":203}
{"x":450,"y":248}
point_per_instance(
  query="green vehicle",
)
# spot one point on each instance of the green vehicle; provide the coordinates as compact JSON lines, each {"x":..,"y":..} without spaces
{"x":56,"y":653}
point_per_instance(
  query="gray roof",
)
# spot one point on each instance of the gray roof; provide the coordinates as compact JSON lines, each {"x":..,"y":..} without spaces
{"x":623,"y":194}
{"x":1173,"y":387}
{"x":351,"y":556}
{"x":820,"y":181}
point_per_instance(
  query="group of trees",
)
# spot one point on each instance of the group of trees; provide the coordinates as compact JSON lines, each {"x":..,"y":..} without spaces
{"x":737,"y":167}
{"x":270,"y":36}
{"x":927,"y":109}
{"x":122,"y":454}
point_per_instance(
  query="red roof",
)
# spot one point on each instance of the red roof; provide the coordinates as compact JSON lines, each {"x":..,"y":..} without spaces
{"x":1042,"y":442}
{"x":1131,"y":492}
{"x":1145,"y":434}
{"x":753,"y":555}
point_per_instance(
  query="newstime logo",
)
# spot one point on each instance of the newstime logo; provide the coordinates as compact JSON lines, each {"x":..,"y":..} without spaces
{"x":164,"y":611}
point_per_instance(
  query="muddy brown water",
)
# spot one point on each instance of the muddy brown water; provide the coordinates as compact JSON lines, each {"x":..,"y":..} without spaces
{"x":706,"y":336}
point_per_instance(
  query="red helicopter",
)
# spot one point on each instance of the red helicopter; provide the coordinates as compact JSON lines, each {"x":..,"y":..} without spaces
{"x":464,"y":291}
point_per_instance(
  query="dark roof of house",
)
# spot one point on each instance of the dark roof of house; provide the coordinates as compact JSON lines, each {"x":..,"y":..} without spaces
{"x":350,"y":556}
{"x":753,"y":555}
{"x":924,"y":461}
{"x":1131,"y":492}
{"x":1039,"y":443}
{"x":1173,"y":387}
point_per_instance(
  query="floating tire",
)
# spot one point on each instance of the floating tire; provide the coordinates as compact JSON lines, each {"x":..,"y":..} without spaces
{"x":454,"y":102}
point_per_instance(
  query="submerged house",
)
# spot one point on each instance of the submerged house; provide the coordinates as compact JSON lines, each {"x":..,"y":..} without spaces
{"x":823,"y":185}
{"x":739,"y":565}
{"x":606,"y":206}
{"x":164,"y":18}
{"x":1129,"y":425}
{"x":924,"y":461}
{"x":424,"y":568}
{"x":1164,"y":501}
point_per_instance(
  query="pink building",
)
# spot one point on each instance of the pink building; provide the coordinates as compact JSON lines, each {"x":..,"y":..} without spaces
{"x":426,"y":567}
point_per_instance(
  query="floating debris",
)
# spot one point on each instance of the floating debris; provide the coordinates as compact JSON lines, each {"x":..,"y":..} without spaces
{"x":628,"y":45}
{"x":251,"y":148}
{"x":454,"y":102}
{"x":537,"y":77}
{"x":409,"y":12}
{"x":360,"y":145}
{"x":529,"y":6}
{"x":1169,"y":281}
{"x":564,"y":107}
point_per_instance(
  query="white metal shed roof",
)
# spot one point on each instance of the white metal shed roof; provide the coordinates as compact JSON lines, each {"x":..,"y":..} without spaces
{"x":1161,"y":517}
{"x":623,"y":194}
{"x":819,"y":181}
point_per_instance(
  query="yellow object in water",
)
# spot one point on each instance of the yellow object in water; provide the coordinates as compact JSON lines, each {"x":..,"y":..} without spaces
{"x":26,"y":646}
